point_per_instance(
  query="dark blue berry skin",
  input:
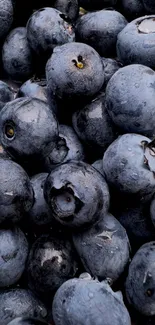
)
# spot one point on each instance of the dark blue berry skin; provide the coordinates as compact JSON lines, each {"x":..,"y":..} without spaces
{"x":136,"y":220}
{"x":69,"y":8}
{"x":96,"y":4}
{"x":17,"y":55}
{"x":26,"y":321}
{"x":13,"y":256}
{"x":132,"y":8}
{"x":74,"y":71}
{"x":52,"y":261}
{"x":3,"y":153}
{"x":19,"y":303}
{"x":67,"y":149}
{"x":76,"y":194}
{"x":103,"y":248}
{"x":93,"y":125}
{"x":34,"y":89}
{"x":100,"y":29}
{"x":152,"y":210}
{"x":110,"y":67}
{"x":35,"y":129}
{"x":6,"y":94}
{"x":40,"y":213}
{"x":46,"y":29}
{"x":143,"y":38}
{"x":140,"y":283}
{"x":82,"y":301}
{"x":130,"y":99}
{"x":16,"y":192}
{"x":129,"y":167}
{"x":6,"y":17}
{"x":98,"y":165}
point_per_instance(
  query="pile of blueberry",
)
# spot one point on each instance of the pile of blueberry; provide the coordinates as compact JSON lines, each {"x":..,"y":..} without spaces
{"x":77,"y":162}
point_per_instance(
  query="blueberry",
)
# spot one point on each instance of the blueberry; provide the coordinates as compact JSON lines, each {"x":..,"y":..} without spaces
{"x":132,"y":8}
{"x":98,"y":165}
{"x":94,"y":126}
{"x":52,"y":261}
{"x":110,"y":67}
{"x":103,"y":249}
{"x":28,"y":128}
{"x":13,"y":255}
{"x":129,"y":166}
{"x":17,"y":55}
{"x":84,"y":301}
{"x":76,"y":194}
{"x":6,"y":93}
{"x":26,"y":321}
{"x":40,"y":214}
{"x":68,"y":7}
{"x":6,"y":15}
{"x":140,"y":283}
{"x":100,"y":29}
{"x":130,"y":99}
{"x":67,"y":149}
{"x":96,"y":4}
{"x":19,"y":303}
{"x":46,"y":29}
{"x":16,"y":193}
{"x":74,"y":71}
{"x":139,"y":32}
{"x":136,"y":220}
{"x":34,"y":89}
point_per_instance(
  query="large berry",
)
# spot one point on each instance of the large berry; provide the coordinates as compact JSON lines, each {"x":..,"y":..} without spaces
{"x":76,"y":194}
{"x":79,"y":301}
{"x":28,"y":128}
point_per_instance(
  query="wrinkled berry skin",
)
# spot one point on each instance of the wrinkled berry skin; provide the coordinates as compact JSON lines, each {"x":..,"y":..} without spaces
{"x":94,"y":126}
{"x":76,"y":298}
{"x":26,"y":321}
{"x":136,"y":220}
{"x":129,"y":168}
{"x":6,"y":94}
{"x":135,"y":33}
{"x":103,"y":248}
{"x":76,"y":194}
{"x":13,"y":255}
{"x":35,"y":128}
{"x":40,"y":214}
{"x":51,"y":262}
{"x":110,"y":67}
{"x":6,"y":17}
{"x":100,"y":29}
{"x":67,"y":149}
{"x":67,"y":7}
{"x":130,"y":99}
{"x":17,"y":55}
{"x":33,"y":89}
{"x":140,"y":283}
{"x":19,"y":303}
{"x":75,"y":70}
{"x":96,"y":4}
{"x":46,"y":29}
{"x":16,"y":192}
